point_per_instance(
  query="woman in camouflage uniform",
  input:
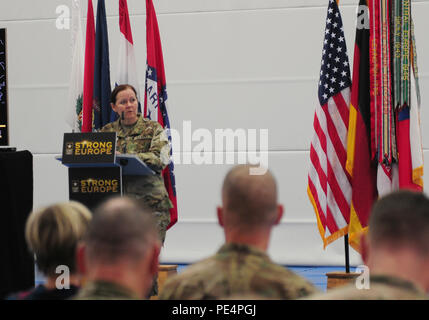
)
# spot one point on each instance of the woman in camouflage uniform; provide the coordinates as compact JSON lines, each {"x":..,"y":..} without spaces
{"x":148,"y":140}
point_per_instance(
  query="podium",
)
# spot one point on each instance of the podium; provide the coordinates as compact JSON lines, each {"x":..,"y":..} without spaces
{"x":95,"y":171}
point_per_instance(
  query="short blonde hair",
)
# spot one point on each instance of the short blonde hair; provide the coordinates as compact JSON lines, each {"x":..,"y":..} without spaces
{"x":52,"y":234}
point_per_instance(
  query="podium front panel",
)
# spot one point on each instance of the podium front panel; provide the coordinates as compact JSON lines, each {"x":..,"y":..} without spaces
{"x":89,"y":148}
{"x":91,"y":186}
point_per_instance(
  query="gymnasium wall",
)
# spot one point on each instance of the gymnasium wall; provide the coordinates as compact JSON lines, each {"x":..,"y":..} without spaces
{"x":246,"y":65}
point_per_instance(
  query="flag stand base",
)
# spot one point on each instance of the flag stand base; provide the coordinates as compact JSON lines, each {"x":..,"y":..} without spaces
{"x":337,"y":279}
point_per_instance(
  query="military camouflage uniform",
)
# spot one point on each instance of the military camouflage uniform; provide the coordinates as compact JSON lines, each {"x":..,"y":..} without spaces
{"x":104,"y":290}
{"x":380,"y":288}
{"x":236,"y":270}
{"x":146,"y":139}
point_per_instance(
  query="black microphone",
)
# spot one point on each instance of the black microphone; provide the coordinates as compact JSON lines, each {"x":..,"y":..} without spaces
{"x":124,"y":149}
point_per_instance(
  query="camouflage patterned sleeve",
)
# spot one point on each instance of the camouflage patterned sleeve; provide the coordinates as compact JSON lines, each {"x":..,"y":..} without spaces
{"x":167,"y":292}
{"x":158,"y":155}
{"x":174,"y":289}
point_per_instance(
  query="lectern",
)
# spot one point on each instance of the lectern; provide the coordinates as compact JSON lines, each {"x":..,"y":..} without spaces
{"x":95,"y":171}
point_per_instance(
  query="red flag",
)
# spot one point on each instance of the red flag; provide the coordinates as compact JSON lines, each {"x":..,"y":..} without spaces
{"x":404,"y":151}
{"x":88,"y":82}
{"x":124,"y":21}
{"x":155,"y":107}
{"x":380,"y":149}
{"x":408,"y":132}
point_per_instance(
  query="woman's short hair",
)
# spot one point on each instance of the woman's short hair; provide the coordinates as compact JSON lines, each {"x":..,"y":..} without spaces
{"x":118,"y":89}
{"x":52,"y":234}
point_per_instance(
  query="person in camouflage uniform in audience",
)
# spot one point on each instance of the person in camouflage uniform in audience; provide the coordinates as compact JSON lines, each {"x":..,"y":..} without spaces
{"x":241,"y":267}
{"x":118,"y":256}
{"x":148,"y":140}
{"x":396,"y":252}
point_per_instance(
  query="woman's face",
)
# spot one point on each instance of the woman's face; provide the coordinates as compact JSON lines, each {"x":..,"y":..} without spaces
{"x":126,"y":102}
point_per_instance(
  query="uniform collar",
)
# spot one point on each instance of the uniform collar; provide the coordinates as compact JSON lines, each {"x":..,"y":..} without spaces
{"x":107,"y":289}
{"x":243,"y":249}
{"x":396,"y":282}
{"x":133,"y":129}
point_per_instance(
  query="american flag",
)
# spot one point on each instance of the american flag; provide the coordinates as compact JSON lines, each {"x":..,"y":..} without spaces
{"x":329,"y":185}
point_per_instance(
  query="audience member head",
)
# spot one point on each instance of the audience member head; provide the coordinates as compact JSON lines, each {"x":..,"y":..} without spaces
{"x":52,"y":234}
{"x":398,"y":238}
{"x":249,"y":205}
{"x":121,"y":245}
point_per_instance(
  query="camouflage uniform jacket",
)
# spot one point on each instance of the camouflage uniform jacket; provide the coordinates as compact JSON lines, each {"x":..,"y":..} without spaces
{"x":235,"y":270}
{"x":104,"y":290}
{"x":381,"y":287}
{"x":148,"y":140}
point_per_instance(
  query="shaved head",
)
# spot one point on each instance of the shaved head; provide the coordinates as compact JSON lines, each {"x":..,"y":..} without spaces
{"x":249,"y":200}
{"x":121,"y":228}
{"x":401,"y":218}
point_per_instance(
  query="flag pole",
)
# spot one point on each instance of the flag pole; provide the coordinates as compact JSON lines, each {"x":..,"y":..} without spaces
{"x":346,"y":249}
{"x":346,"y":237}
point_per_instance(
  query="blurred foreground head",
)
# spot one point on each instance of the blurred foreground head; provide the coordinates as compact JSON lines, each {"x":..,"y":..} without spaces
{"x":53,"y":232}
{"x":249,"y":203}
{"x":398,"y":239}
{"x":401,"y":219}
{"x":121,"y":245}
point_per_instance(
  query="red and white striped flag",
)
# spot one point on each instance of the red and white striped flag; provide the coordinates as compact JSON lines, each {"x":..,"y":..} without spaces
{"x":127,"y":67}
{"x":329,"y":185}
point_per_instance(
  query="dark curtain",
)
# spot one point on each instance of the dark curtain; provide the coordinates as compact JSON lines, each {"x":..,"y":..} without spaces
{"x":16,"y":198}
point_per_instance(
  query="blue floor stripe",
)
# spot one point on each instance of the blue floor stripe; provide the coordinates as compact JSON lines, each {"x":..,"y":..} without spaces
{"x":314,"y":274}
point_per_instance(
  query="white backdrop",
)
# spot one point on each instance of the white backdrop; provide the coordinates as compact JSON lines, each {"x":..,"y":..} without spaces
{"x":249,"y":64}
